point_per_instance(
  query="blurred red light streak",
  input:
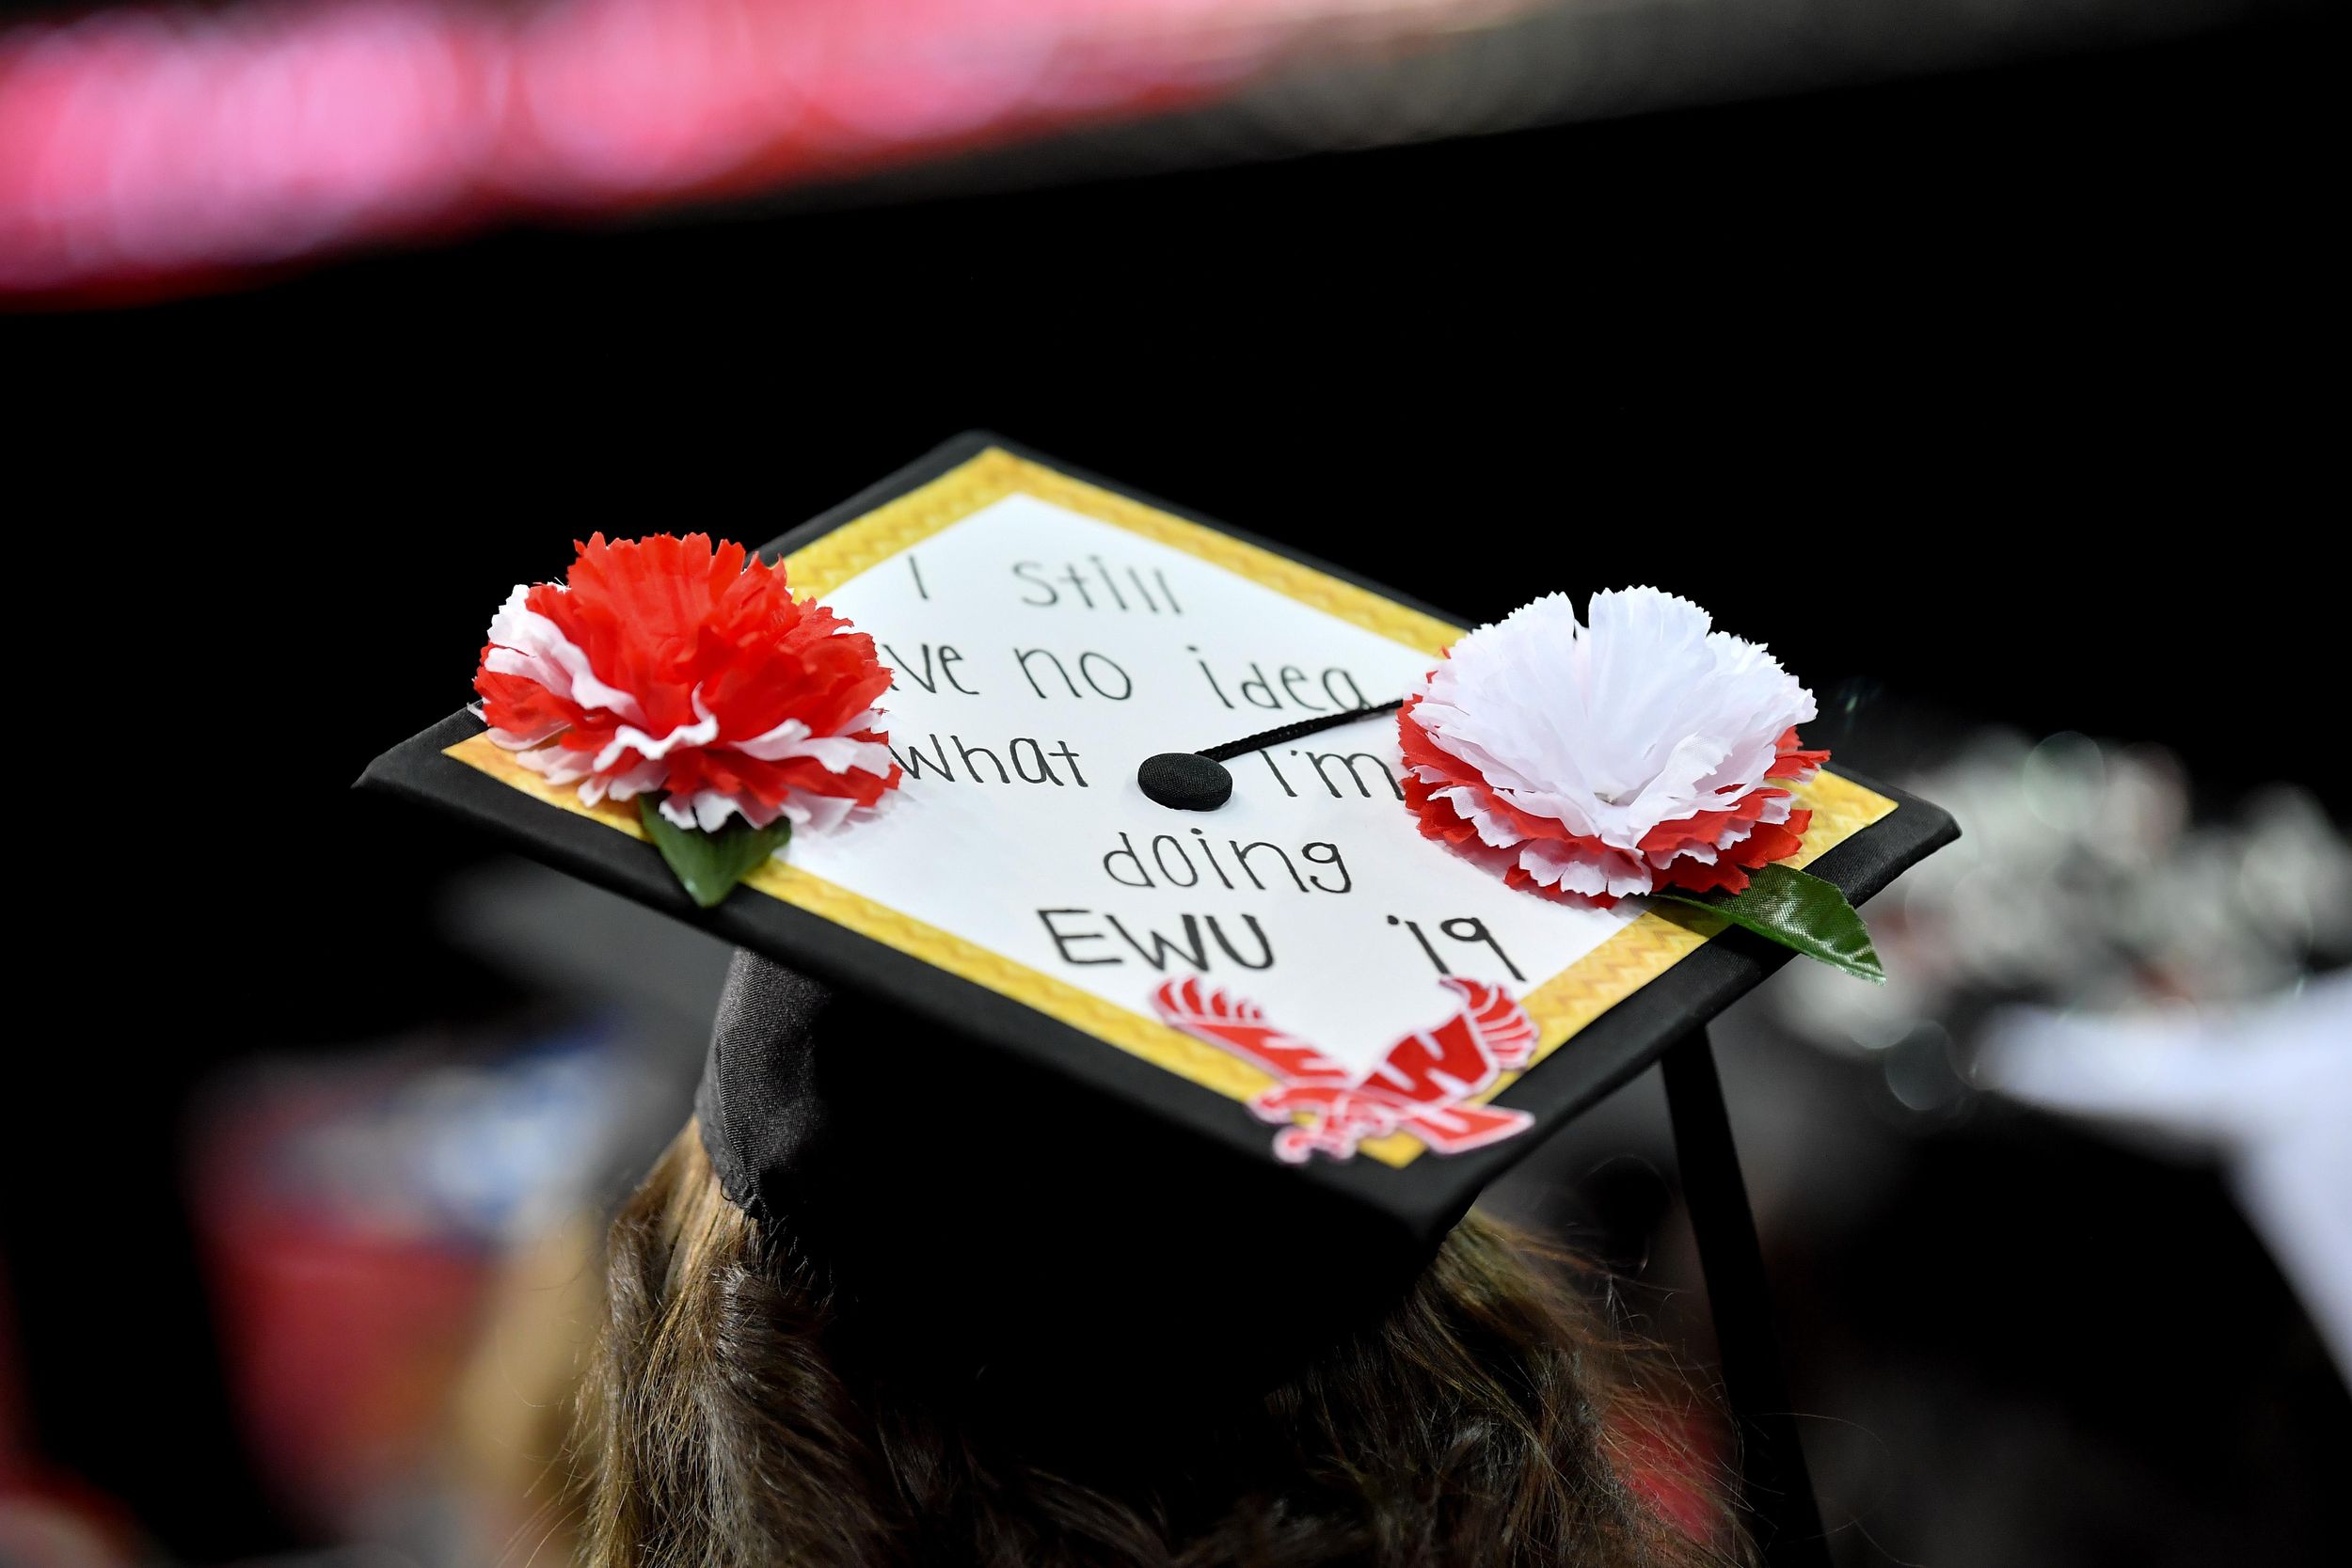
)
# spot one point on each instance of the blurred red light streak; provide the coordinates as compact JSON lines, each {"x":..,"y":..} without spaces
{"x":150,"y":152}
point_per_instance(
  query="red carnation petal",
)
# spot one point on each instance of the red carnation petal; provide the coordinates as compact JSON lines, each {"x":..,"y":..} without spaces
{"x":697,"y":631}
{"x":1766,"y":842}
{"x":1699,"y":877}
{"x":1773,"y":841}
{"x":1438,"y":819}
{"x":1794,"y":762}
{"x":1705,"y":828}
{"x":1519,"y":876}
{"x":521,"y":705}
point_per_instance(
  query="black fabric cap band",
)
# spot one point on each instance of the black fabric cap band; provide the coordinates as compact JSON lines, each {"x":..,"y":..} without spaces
{"x":973,"y":1202}
{"x":758,"y":1105}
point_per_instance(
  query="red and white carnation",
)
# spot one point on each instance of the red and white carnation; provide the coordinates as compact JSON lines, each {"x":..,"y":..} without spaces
{"x":672,"y":664}
{"x":1598,"y":762}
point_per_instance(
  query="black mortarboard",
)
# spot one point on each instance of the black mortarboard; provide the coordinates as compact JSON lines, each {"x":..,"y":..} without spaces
{"x":1033,"y":961}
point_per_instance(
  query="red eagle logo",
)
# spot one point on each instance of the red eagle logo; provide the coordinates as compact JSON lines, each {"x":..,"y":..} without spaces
{"x":1419,"y":1086}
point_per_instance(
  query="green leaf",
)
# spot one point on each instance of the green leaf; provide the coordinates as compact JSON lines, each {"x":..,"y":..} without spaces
{"x":710,"y":864}
{"x":1797,"y":911}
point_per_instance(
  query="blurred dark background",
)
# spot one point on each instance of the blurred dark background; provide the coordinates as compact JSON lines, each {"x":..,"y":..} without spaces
{"x":1994,"y":395}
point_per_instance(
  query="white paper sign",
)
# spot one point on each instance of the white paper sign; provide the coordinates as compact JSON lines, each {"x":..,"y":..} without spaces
{"x":1042,"y":656}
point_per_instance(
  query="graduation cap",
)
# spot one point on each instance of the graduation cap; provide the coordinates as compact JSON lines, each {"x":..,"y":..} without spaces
{"x":1119,"y":854}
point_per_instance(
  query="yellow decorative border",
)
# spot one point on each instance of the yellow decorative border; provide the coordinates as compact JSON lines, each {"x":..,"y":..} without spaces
{"x":1560,"y":1007}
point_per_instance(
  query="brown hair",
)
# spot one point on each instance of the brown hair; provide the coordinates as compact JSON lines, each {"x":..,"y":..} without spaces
{"x":730,"y":1421}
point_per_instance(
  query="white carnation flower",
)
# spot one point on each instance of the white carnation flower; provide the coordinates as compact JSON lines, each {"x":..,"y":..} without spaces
{"x":1605,"y":759}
